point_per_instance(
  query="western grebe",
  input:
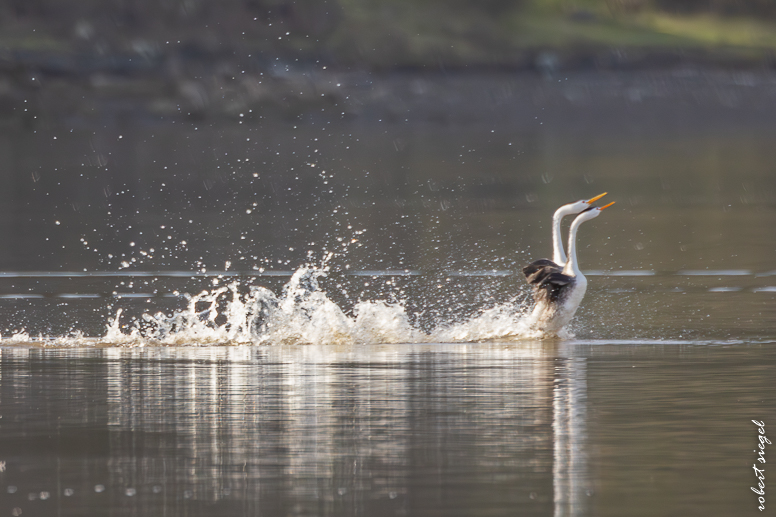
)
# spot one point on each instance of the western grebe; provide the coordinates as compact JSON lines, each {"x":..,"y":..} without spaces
{"x":558,"y":291}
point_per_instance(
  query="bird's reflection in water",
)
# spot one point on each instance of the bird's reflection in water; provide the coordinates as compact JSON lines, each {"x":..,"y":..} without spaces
{"x":572,"y":486}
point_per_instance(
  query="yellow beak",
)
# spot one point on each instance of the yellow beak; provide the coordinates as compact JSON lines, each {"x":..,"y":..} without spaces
{"x":593,"y":200}
{"x":610,"y":204}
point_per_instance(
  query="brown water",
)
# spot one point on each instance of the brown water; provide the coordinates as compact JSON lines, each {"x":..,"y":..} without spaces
{"x":436,"y":191}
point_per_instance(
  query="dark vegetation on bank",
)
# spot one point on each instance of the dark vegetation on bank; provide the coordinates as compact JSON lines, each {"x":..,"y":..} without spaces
{"x":199,"y":57}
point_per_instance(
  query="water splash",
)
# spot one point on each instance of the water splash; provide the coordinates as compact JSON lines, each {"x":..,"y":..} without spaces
{"x":503,"y":322}
{"x":303,"y":314}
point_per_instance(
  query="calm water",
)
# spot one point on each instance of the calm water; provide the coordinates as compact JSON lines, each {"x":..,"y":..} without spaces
{"x":153,"y":363}
{"x":537,"y":428}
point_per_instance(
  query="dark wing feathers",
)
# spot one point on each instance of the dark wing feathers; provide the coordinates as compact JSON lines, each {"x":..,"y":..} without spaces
{"x":536,"y":271}
{"x":547,"y":279}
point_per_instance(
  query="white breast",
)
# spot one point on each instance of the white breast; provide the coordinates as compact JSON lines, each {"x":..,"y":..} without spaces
{"x":550,"y":318}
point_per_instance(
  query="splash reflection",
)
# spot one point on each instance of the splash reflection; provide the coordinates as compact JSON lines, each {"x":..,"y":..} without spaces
{"x":297,"y":430}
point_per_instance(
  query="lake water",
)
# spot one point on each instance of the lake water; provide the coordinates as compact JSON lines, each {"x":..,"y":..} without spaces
{"x":153,"y":363}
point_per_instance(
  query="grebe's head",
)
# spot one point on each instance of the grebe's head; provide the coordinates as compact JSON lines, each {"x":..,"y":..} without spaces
{"x":581,"y":205}
{"x":591,"y":212}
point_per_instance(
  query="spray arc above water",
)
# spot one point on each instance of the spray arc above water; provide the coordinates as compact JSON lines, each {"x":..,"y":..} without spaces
{"x":303,"y":313}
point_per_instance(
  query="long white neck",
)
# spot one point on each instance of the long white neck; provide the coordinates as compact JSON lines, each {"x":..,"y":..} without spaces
{"x":558,"y":255}
{"x":572,"y":266}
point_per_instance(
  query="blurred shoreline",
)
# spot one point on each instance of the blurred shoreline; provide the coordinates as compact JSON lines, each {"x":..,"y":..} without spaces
{"x":196,"y":59}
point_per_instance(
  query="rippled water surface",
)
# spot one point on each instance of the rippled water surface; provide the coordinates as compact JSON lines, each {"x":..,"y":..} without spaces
{"x":541,"y":428}
{"x":309,"y":314}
